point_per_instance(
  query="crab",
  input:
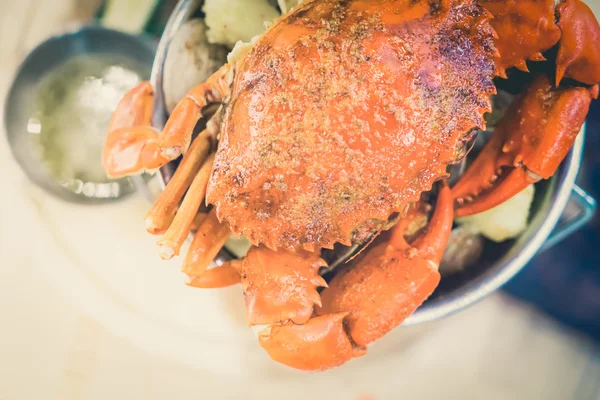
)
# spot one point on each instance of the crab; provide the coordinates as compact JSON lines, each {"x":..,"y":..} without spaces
{"x":333,"y":129}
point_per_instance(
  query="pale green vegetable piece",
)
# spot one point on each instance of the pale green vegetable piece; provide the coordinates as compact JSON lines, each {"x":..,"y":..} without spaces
{"x":229,"y":21}
{"x":240,"y":50}
{"x":506,"y":221}
{"x":287,"y":5}
{"x":238,"y":246}
{"x":128,"y":15}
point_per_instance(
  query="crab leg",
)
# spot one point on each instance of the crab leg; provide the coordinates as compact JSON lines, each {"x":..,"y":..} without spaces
{"x":367,"y":299}
{"x":280,"y":288}
{"x":198,"y":220}
{"x":432,"y":243}
{"x":208,"y":240}
{"x":578,"y":57}
{"x":164,"y":208}
{"x":179,"y":230}
{"x":393,"y":280}
{"x":134,"y":109}
{"x":132,"y":146}
{"x":528,"y":145}
{"x":281,"y":285}
{"x":524,"y":30}
{"x":224,"y":275}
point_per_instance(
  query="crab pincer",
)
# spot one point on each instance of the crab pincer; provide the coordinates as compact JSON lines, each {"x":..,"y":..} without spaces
{"x":578,"y":57}
{"x":133,"y":146}
{"x":206,"y":244}
{"x":371,"y":296}
{"x":524,"y":30}
{"x":528,"y":145}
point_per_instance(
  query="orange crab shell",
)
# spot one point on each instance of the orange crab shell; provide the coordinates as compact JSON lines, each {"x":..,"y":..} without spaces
{"x":524,"y":30}
{"x":344,"y":112}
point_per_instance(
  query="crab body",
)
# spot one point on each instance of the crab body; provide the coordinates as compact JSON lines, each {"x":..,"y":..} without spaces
{"x":344,"y":113}
{"x":330,"y":129}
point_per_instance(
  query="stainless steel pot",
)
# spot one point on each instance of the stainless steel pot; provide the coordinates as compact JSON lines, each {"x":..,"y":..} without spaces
{"x":549,"y":222}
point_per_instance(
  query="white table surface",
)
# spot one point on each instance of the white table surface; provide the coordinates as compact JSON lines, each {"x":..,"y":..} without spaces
{"x":56,"y":342}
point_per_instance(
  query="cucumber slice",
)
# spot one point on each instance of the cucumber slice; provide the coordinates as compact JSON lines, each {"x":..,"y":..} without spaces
{"x":129,"y":16}
{"x":506,"y":221}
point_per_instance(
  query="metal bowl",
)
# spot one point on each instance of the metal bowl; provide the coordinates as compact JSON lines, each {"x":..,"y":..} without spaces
{"x":52,"y":53}
{"x":500,"y":262}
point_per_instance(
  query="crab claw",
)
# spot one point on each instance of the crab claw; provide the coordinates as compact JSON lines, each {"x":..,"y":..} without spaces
{"x":392,"y":280}
{"x":528,"y":145}
{"x":370,"y":297}
{"x":578,"y":57}
{"x":524,"y":30}
{"x":132,"y":146}
{"x":320,"y":344}
{"x":281,"y":285}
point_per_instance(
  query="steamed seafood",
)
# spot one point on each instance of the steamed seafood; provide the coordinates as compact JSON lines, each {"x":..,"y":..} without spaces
{"x":333,"y":125}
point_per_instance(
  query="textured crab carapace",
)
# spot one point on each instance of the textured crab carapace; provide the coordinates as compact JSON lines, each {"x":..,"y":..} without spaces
{"x":346,"y":111}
